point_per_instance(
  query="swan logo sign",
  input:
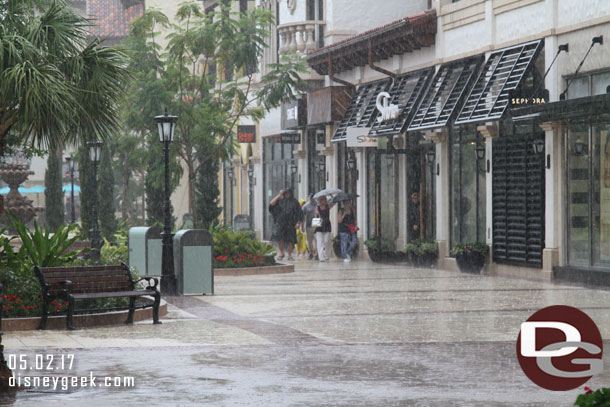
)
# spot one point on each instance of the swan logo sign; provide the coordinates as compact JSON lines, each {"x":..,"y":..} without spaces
{"x":388,"y":111}
{"x":560,"y":348}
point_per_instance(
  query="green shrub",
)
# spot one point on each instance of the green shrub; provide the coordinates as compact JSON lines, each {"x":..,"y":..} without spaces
{"x":470,"y":247}
{"x":238,"y":249}
{"x":422,"y":247}
{"x":386,"y":244}
{"x":597,"y":398}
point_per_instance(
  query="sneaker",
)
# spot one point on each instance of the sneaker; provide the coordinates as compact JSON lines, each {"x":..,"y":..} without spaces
{"x":279,"y":257}
{"x":347,"y":260}
{"x":316,"y":258}
{"x":311,"y":257}
{"x":289,"y":258}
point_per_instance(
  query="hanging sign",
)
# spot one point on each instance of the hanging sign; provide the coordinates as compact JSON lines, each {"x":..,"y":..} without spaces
{"x":246,"y":134}
{"x":359,"y":137}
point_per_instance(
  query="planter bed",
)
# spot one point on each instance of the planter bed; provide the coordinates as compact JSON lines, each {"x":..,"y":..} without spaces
{"x":388,"y":257}
{"x":82,"y":320}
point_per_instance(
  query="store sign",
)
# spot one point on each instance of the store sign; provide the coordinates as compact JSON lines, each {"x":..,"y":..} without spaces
{"x":294,"y":113}
{"x":388,"y":111}
{"x":359,"y":137}
{"x":288,"y":138}
{"x":246,"y":134}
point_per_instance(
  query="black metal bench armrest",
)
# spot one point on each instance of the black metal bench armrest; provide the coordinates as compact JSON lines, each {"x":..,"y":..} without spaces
{"x":65,"y":282}
{"x":148,"y":279}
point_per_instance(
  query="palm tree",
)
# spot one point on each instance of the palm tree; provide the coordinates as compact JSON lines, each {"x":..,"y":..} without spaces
{"x":56,"y":86}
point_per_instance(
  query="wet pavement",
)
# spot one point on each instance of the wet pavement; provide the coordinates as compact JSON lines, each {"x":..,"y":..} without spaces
{"x":331,"y":334}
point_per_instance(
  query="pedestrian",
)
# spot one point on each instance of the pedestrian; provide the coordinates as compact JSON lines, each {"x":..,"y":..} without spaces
{"x":301,"y":246}
{"x":347,"y":230}
{"x":287,"y":216}
{"x":323,"y":232}
{"x":309,"y":211}
{"x":413,"y":218}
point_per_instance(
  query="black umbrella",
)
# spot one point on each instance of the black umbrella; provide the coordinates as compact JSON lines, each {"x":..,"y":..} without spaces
{"x":343,"y":196}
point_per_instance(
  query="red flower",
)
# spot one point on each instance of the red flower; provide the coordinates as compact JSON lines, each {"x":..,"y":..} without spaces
{"x":21,"y":295}
{"x":588,"y":390}
{"x":7,"y":308}
{"x":58,"y":308}
{"x":226,"y":252}
{"x":219,"y":257}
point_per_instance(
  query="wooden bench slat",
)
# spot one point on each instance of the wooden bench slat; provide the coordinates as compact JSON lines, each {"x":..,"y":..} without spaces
{"x":111,"y":294}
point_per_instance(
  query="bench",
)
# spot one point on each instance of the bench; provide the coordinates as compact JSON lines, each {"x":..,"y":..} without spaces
{"x":73,"y":284}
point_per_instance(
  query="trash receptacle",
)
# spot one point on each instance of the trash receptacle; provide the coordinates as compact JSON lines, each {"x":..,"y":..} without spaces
{"x":193,"y":250}
{"x":145,"y":250}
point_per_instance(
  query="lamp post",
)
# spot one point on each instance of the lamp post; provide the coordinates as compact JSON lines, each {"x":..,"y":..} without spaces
{"x":166,"y":125}
{"x":71,"y":163}
{"x":95,"y":153}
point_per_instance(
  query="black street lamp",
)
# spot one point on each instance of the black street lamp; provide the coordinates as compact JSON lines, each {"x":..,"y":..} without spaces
{"x":166,"y":125}
{"x":71,"y":164}
{"x":250,"y":171}
{"x":95,"y":153}
{"x":294,"y":168}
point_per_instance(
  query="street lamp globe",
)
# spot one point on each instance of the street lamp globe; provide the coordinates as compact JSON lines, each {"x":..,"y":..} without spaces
{"x":95,"y":151}
{"x":166,"y":124}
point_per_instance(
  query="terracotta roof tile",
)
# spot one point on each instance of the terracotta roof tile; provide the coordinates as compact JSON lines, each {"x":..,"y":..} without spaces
{"x":112,"y":17}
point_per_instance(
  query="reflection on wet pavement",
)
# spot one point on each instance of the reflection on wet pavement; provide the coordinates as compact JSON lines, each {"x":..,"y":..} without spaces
{"x":369,"y":335}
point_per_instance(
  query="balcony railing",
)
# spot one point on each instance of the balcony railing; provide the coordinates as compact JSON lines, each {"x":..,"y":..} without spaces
{"x":304,"y":36}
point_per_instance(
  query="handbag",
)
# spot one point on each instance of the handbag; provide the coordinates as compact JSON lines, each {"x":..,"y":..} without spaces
{"x":316,"y":222}
{"x":352,"y":228}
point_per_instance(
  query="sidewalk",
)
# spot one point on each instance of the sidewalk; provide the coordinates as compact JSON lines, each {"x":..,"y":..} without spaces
{"x":357,"y":334}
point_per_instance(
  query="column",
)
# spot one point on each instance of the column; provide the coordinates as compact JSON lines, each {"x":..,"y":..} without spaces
{"x":553,"y":192}
{"x":489,"y":131}
{"x":441,"y":172}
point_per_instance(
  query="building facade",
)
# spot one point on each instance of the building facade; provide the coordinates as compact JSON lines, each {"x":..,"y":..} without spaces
{"x":491,"y":127}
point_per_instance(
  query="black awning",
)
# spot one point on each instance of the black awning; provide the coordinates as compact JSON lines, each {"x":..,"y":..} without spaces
{"x":502,"y":74}
{"x":572,"y":109}
{"x":444,"y":96}
{"x":362,"y":110}
{"x":406,"y":92}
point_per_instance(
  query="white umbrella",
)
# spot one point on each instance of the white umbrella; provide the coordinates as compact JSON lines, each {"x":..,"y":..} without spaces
{"x":327,"y":191}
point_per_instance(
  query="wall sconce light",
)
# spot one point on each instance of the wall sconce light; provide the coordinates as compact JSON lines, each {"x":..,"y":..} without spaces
{"x":322,"y":165}
{"x":480,"y":152}
{"x":389,"y":159}
{"x":431,"y":156}
{"x":538,"y":146}
{"x":351,"y":163}
{"x":250,"y":171}
{"x":578,"y":148}
{"x":294,"y":168}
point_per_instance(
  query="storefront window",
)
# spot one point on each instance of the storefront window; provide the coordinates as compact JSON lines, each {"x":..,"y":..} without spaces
{"x":467,"y":178}
{"x":370,"y":191}
{"x":278,"y":159}
{"x":589,"y":194}
{"x":346,"y":179}
{"x":388,"y":200}
{"x":316,"y":178}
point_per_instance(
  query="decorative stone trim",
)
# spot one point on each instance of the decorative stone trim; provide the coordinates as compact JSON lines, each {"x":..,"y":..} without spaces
{"x":489,"y":130}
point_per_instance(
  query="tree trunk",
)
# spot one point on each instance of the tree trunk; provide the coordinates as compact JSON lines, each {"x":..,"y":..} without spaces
{"x":191,"y":193}
{"x":125,"y":188}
